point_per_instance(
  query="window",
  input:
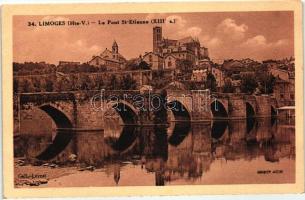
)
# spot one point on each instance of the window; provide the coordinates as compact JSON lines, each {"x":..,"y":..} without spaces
{"x":169,"y":64}
{"x":150,"y":58}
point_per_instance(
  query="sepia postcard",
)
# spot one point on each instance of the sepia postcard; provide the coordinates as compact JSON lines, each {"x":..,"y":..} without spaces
{"x":152,"y":99}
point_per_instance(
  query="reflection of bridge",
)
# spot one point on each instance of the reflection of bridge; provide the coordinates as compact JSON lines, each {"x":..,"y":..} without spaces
{"x":191,"y":157}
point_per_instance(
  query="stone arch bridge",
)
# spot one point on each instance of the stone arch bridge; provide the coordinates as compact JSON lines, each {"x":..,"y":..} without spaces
{"x":84,"y":111}
{"x":203,"y":105}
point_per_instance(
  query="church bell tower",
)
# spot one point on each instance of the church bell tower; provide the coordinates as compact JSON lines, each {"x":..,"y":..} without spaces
{"x":115,"y":50}
{"x":157,"y":38}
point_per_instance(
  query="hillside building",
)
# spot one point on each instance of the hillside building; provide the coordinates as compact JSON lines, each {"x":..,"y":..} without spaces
{"x":113,"y":60}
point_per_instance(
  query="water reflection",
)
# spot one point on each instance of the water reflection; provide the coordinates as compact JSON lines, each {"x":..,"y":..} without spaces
{"x":123,"y":140}
{"x":180,"y":131}
{"x":218,"y":128}
{"x":184,"y":153}
{"x":60,"y":142}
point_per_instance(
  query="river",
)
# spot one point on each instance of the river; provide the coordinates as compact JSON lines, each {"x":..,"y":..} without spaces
{"x":181,"y":153}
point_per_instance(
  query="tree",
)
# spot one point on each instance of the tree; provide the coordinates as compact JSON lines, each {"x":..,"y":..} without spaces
{"x":211,"y":82}
{"x":193,"y":85}
{"x":86,"y":83}
{"x":32,"y":68}
{"x":248,"y":84}
{"x":228,"y":86}
{"x":128,"y":83}
{"x":16,"y":67}
{"x":16,"y":86}
{"x":266,"y":82}
{"x":114,"y":83}
{"x":137,"y":64}
{"x":63,"y":84}
{"x":37,"y":85}
{"x":74,"y":83}
{"x":27,"y":86}
{"x":143,"y":65}
{"x":49,"y":87}
{"x":132,"y":64}
{"x":99,"y":82}
{"x":102,"y":68}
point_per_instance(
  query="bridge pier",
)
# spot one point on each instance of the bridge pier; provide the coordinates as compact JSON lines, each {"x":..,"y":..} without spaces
{"x":237,"y":108}
{"x":263,"y":106}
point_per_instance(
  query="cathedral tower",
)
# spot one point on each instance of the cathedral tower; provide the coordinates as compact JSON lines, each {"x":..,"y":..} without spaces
{"x":115,"y":50}
{"x":157,"y":38}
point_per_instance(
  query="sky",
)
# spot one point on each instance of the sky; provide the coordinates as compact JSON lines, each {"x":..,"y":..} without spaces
{"x":236,"y":35}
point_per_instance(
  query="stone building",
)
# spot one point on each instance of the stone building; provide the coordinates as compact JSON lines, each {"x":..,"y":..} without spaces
{"x":199,"y":75}
{"x":284,"y":86}
{"x":204,"y":53}
{"x":112,"y":60}
{"x":154,"y":60}
{"x":205,"y":64}
{"x":187,"y":48}
{"x":63,"y":63}
{"x":219,"y":76}
{"x":170,"y":62}
{"x":279,"y":73}
{"x":284,"y":92}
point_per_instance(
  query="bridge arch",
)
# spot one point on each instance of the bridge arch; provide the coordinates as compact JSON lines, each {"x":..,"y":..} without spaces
{"x":128,"y":135}
{"x":127,"y":111}
{"x":250,"y":111}
{"x":218,"y":109}
{"x":250,"y":117}
{"x":273,"y":112}
{"x":179,"y":110}
{"x":58,"y":116}
{"x":64,"y":133}
{"x":175,"y":85}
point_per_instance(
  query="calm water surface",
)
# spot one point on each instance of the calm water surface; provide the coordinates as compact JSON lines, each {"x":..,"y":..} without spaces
{"x":219,"y":152}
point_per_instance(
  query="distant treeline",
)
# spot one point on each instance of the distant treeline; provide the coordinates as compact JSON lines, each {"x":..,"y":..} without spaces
{"x":41,"y":68}
{"x":72,"y":82}
{"x":31,"y":68}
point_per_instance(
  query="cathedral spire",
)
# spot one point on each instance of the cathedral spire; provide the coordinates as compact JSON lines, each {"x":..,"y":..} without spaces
{"x":115,"y":50}
{"x":115,"y":47}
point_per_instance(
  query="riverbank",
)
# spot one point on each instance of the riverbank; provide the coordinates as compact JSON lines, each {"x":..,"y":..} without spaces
{"x":26,"y":175}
